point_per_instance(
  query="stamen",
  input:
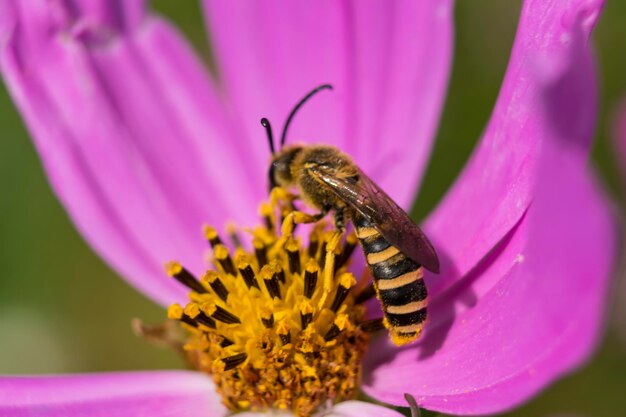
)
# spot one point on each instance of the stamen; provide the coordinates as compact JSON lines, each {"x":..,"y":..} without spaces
{"x":270,"y":278}
{"x":293,"y":253}
{"x":260,"y":251}
{"x":176,"y":270}
{"x":314,"y":244}
{"x":306,"y":313}
{"x":346,"y":281}
{"x":234,"y":361}
{"x":193,"y":311}
{"x":310,"y":278}
{"x":205,"y":320}
{"x":223,"y":258}
{"x":211,"y":235}
{"x":284,"y":333}
{"x":276,"y":326}
{"x":175,"y":312}
{"x":365,"y":294}
{"x":337,"y":327}
{"x":267,"y":318}
{"x":226,"y":342}
{"x":347,"y":251}
{"x":212,"y":278}
{"x":267,"y":212}
{"x":281,"y":274}
{"x":233,"y":234}
{"x":247,"y":273}
{"x":220,"y":314}
{"x":322,"y":256}
{"x":373,"y":325}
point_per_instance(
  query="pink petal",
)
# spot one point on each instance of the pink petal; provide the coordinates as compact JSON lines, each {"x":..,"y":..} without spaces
{"x":549,"y":91}
{"x":129,"y":129}
{"x":531,"y":309}
{"x":540,"y":318}
{"x":361,"y":409}
{"x":154,"y":394}
{"x":388,"y":61}
{"x":344,"y":409}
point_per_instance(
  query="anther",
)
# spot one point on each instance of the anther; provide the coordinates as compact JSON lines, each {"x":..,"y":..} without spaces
{"x":234,"y":361}
{"x":176,"y":312}
{"x":205,"y":320}
{"x":306,"y":314}
{"x":211,"y":235}
{"x":267,"y":318}
{"x":337,"y":327}
{"x":322,"y":256}
{"x":176,"y":270}
{"x":310,"y":278}
{"x":231,"y":229}
{"x":365,"y":294}
{"x":284,"y":333}
{"x":373,"y":325}
{"x":225,"y":342}
{"x":268,"y":214}
{"x":293,"y":254}
{"x":213,"y":280}
{"x":222,"y":256}
{"x":347,"y":251}
{"x":273,"y":367}
{"x":270,"y":278}
{"x":346,"y":281}
{"x":314,"y":243}
{"x":220,"y":314}
{"x":193,"y":311}
{"x":260,"y":251}
{"x":280,"y":274}
{"x":248,"y":274}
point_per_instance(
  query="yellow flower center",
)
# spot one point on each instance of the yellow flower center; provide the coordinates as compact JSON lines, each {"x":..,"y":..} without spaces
{"x":277,"y":326}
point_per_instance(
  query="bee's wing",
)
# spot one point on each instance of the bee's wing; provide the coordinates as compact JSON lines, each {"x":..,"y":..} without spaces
{"x":390,"y":220}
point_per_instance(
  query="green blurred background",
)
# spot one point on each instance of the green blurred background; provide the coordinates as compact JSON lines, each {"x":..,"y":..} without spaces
{"x":63,"y":310}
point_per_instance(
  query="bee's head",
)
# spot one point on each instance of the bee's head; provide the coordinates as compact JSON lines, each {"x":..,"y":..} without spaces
{"x":280,"y":168}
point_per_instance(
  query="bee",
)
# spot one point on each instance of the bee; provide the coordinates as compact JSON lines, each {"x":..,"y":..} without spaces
{"x":396,"y":250}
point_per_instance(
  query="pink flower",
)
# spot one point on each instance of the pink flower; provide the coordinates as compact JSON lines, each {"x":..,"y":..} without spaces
{"x":142,"y":146}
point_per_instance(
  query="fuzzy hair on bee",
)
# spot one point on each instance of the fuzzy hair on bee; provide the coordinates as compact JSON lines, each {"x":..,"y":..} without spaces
{"x":396,"y":250}
{"x":293,"y":166}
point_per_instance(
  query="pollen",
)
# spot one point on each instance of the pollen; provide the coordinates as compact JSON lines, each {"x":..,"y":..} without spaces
{"x":279,"y":325}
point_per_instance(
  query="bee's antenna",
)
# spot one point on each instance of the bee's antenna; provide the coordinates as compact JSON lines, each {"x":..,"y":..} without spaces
{"x":295,"y":109}
{"x":270,"y":137}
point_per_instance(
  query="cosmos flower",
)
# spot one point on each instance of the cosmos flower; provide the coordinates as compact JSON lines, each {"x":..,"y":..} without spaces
{"x":142,"y":146}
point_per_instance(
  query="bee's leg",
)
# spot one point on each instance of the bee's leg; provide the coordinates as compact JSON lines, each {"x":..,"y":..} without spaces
{"x":319,"y":216}
{"x":340,"y":224}
{"x":295,"y":218}
{"x":281,"y":195}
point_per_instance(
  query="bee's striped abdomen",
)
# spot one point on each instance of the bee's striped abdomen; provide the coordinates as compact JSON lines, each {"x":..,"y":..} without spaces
{"x":398,"y":281}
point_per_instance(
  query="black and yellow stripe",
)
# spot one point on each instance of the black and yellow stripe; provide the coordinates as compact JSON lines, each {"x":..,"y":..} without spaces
{"x":398,"y":281}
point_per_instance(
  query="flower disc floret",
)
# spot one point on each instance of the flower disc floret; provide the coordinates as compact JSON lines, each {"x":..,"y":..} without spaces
{"x":276,"y":327}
